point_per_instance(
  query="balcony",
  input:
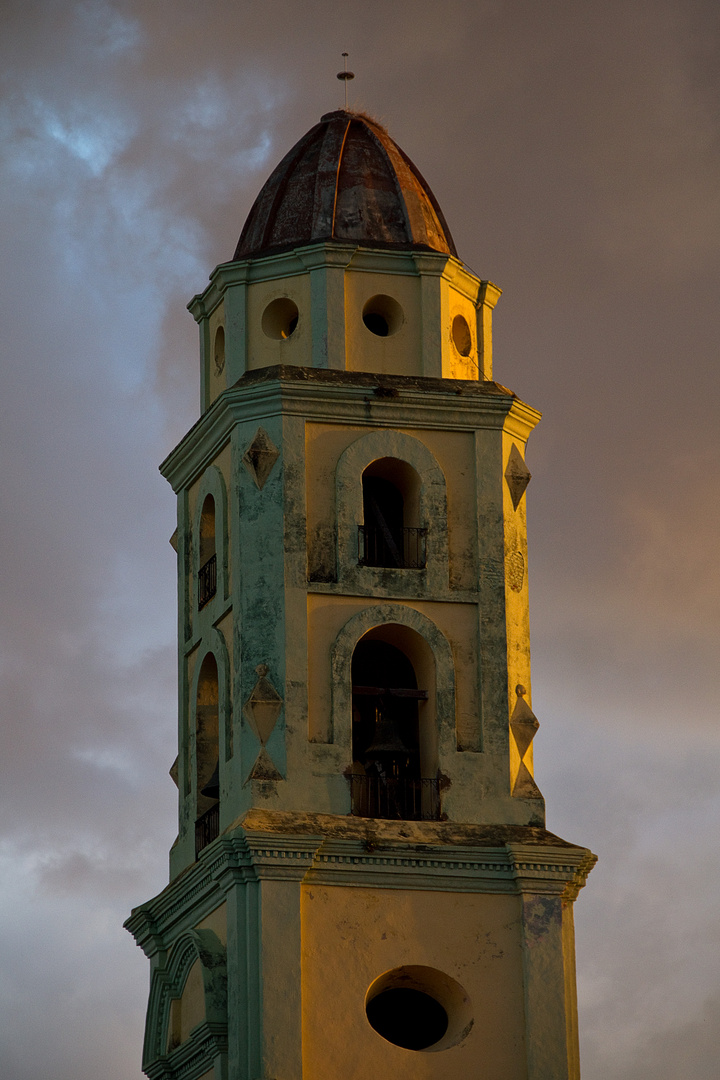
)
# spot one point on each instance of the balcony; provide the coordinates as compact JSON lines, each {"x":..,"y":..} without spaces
{"x":408,"y":799}
{"x":403,"y":549}
{"x":207,"y":828}
{"x":207,"y":582}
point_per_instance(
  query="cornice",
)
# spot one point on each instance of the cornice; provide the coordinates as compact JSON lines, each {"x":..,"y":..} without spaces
{"x":362,"y":859}
{"x":299,"y":260}
{"x":323,"y":396}
{"x":514,"y":868}
{"x":397,"y":590}
{"x":522,"y":419}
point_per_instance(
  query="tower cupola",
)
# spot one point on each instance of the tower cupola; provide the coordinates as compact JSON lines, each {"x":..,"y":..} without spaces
{"x":345,"y":262}
{"x":346,"y":181}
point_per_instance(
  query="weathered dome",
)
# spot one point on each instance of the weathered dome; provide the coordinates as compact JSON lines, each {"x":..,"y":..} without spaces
{"x":345,"y":180}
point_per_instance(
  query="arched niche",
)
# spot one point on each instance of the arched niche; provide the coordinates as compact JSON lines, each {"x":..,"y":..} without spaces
{"x":210,"y":542}
{"x":396,"y":458}
{"x":207,"y":736}
{"x":194,"y":977}
{"x":430,"y":655}
{"x":209,"y":692}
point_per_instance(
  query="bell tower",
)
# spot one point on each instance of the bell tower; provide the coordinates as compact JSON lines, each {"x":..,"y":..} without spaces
{"x":362,"y":883}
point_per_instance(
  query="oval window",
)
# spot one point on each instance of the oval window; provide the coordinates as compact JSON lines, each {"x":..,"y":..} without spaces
{"x":419,"y":1008}
{"x":462,"y":338}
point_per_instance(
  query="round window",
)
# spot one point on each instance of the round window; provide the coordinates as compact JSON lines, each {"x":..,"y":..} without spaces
{"x":382,"y":315}
{"x":280,"y":318}
{"x":419,"y":1008}
{"x":408,"y":1018}
{"x":462,"y":339}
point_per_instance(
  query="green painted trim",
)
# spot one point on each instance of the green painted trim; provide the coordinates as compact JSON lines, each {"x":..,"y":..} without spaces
{"x":236,"y":336}
{"x":167,"y":983}
{"x":463,"y":406}
{"x":205,"y":353}
{"x":355,"y":258}
{"x":260,"y":597}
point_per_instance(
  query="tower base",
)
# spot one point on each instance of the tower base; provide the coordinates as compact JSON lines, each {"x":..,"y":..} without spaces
{"x":315,"y":946}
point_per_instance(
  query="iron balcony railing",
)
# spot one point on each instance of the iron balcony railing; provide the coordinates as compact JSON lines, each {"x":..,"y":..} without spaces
{"x":405,"y":549}
{"x":410,"y":799}
{"x":207,"y":828}
{"x":207,"y":581}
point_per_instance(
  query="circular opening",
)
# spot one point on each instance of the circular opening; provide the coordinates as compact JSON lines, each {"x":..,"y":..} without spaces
{"x":280,"y":318}
{"x":382,"y":315}
{"x":461,"y":336}
{"x":419,"y":1008}
{"x":407,"y":1018}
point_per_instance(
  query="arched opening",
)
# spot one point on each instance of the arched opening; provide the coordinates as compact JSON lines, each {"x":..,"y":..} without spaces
{"x":394,"y":742}
{"x":207,"y":754}
{"x":391,"y":535}
{"x":219,"y":350}
{"x":207,"y":556}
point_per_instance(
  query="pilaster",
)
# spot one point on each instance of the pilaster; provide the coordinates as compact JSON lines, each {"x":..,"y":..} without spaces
{"x":236,"y":335}
{"x":327,"y":266}
{"x":487,"y":299}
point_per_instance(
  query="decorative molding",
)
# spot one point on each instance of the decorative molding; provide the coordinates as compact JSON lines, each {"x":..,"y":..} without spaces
{"x":332,"y":396}
{"x":243,"y":857}
{"x":209,"y":1038}
{"x":513,"y":868}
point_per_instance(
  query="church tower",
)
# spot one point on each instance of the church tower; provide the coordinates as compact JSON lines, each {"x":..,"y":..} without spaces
{"x":362,"y":884}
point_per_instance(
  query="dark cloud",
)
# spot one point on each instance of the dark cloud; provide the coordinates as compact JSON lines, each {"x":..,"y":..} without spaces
{"x":574,"y":150}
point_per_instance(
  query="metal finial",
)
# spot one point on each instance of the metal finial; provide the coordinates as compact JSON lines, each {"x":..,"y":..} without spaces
{"x":345,"y":75}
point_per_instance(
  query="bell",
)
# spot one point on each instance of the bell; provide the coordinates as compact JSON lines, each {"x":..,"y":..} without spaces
{"x":386,"y":740}
{"x":212,"y":788}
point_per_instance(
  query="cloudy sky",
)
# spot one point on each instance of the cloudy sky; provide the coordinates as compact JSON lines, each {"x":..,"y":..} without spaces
{"x":574,"y":149}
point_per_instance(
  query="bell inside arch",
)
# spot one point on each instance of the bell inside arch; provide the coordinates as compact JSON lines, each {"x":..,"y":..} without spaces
{"x":386,"y":743}
{"x":212,"y":788}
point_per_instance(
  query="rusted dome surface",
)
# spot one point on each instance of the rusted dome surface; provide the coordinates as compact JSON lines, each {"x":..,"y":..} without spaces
{"x":345,"y":180}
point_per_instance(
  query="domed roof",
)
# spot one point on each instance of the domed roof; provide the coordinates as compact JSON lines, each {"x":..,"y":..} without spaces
{"x":345,"y":180}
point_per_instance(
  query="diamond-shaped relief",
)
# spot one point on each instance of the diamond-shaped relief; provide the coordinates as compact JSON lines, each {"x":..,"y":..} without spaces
{"x":263,"y":706}
{"x":524,"y":725}
{"x":260,"y":457}
{"x":524,"y":786}
{"x":264,"y":768}
{"x":517,"y":476}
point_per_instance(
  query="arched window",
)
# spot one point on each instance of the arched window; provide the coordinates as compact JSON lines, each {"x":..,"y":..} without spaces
{"x":207,"y":556}
{"x":207,"y":755}
{"x":391,"y":534}
{"x":389,"y":776}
